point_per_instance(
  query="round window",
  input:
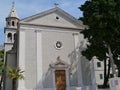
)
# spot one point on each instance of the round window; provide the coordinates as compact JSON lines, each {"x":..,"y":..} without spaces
{"x":58,"y":44}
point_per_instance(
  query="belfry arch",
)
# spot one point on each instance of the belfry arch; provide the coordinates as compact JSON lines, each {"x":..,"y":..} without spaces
{"x":9,"y":37}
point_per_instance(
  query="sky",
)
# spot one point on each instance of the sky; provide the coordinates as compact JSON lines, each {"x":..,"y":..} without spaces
{"x":27,"y":8}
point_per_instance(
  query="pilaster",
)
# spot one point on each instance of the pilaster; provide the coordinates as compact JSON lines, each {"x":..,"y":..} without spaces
{"x":39,"y":60}
{"x":21,"y":58}
{"x":67,"y":79}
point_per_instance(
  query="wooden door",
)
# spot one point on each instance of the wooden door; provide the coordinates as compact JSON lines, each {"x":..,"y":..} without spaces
{"x":60,"y":79}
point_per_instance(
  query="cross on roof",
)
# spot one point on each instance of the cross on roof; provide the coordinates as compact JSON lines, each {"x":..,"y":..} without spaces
{"x":56,"y":4}
{"x":13,"y":3}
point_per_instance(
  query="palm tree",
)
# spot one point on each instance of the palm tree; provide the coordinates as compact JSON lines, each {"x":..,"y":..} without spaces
{"x":15,"y":74}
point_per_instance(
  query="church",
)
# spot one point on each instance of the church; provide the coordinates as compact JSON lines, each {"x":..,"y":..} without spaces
{"x":47,"y":47}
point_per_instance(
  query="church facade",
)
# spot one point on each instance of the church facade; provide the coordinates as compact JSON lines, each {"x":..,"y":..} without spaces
{"x":47,"y":46}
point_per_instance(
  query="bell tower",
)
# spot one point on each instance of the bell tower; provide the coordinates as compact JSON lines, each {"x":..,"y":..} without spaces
{"x":11,"y":28}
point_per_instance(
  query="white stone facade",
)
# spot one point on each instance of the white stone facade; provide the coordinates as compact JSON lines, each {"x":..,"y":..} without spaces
{"x":48,"y":42}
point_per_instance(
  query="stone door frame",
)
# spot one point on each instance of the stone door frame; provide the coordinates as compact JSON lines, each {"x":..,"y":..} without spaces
{"x":60,"y":65}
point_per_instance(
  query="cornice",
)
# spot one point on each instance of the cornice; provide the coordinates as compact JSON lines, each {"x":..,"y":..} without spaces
{"x":30,"y":25}
{"x":10,"y":28}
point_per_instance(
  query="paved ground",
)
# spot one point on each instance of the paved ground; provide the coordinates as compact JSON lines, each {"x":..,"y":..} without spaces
{"x":103,"y":89}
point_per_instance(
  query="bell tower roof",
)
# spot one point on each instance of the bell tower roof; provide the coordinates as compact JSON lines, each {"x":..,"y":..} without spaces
{"x":12,"y":19}
{"x":13,"y":12}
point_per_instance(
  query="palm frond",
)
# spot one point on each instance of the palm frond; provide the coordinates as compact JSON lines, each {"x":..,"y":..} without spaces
{"x":15,"y":73}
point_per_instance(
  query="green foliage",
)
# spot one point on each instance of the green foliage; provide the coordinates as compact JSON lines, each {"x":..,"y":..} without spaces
{"x":1,"y":55}
{"x":103,"y":19}
{"x":15,"y":73}
{"x":1,"y":61}
{"x":103,"y":32}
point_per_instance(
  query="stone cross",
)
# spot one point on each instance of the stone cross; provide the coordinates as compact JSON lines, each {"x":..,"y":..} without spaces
{"x":56,"y":4}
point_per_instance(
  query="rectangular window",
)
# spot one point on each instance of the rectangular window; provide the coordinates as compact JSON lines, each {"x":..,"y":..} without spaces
{"x":98,"y":64}
{"x":101,"y":76}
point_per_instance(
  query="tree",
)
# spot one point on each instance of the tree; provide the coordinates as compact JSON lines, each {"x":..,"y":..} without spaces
{"x":1,"y":66}
{"x":15,"y":74}
{"x":1,"y":55}
{"x":103,"y":32}
{"x":1,"y":60}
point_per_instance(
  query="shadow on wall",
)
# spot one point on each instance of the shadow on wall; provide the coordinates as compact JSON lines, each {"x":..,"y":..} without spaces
{"x":73,"y":68}
{"x":86,"y":71}
{"x":46,"y":81}
{"x":79,"y":64}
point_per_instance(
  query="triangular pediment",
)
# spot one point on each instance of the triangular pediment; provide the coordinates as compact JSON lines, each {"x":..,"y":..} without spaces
{"x":54,"y":17}
{"x":59,"y":64}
